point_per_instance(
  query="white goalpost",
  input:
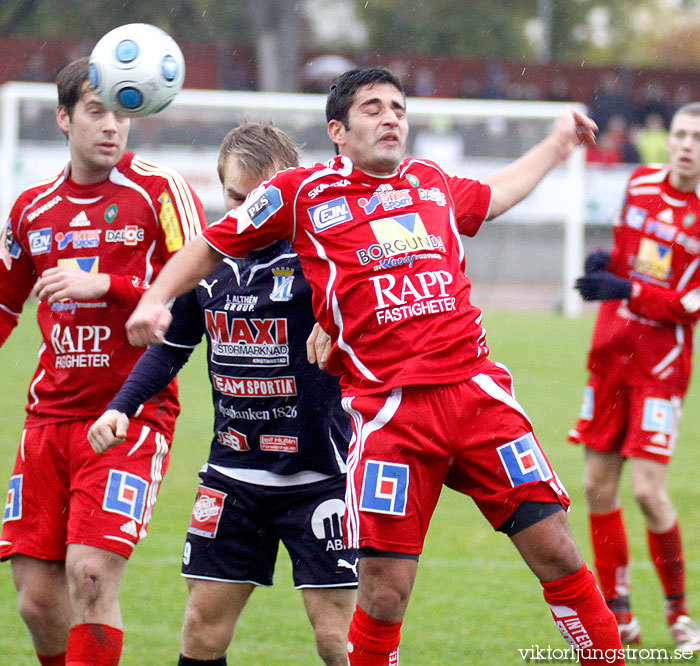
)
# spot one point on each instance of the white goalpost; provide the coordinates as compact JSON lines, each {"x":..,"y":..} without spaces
{"x":470,"y":138}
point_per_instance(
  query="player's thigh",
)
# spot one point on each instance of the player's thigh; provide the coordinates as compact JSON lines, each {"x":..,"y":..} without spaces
{"x":308,"y":519}
{"x":654,"y":423}
{"x":113,"y":495}
{"x":497,"y":459}
{"x":216,"y":602}
{"x":37,"y":506}
{"x":330,"y":607}
{"x":397,"y":464}
{"x":229,"y":537}
{"x":604,"y":417}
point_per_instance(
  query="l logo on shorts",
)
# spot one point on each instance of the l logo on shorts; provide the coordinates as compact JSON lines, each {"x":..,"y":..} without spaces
{"x":125,"y":494}
{"x":385,"y":488}
{"x":524,"y":461}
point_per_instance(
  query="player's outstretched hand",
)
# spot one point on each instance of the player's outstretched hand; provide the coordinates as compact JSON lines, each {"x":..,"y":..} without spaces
{"x":597,"y":260}
{"x":572,"y":129}
{"x":61,"y":282}
{"x":108,"y":431}
{"x":148,"y":323}
{"x":318,"y":346}
{"x":603,"y":286}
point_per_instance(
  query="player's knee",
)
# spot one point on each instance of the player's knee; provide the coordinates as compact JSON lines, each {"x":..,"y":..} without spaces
{"x":204,"y":635}
{"x":88,"y":585}
{"x":654,"y":502}
{"x":34,"y":608}
{"x":600,"y":495}
{"x":331,"y":642}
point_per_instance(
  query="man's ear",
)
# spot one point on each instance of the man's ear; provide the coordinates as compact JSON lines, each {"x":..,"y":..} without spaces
{"x":63,"y":119}
{"x":336,"y":132}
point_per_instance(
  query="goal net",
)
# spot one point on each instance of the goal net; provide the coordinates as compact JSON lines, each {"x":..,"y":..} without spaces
{"x":529,"y":256}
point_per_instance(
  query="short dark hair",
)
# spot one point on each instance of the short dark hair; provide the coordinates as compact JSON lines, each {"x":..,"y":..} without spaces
{"x":691,"y":109}
{"x":344,"y":87}
{"x":70,"y":82}
{"x":261,"y":148}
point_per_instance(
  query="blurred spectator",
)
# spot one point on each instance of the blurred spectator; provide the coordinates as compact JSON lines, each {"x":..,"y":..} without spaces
{"x":496,"y":82}
{"x":653,"y":99}
{"x":423,"y":84}
{"x":318,"y":73}
{"x":609,"y":99}
{"x":36,"y":68}
{"x":470,"y":88}
{"x":559,"y":90}
{"x":613,"y":145}
{"x":651,"y":140}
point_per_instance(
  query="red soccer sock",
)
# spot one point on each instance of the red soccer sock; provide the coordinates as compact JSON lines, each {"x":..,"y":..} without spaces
{"x":373,"y":642}
{"x":55,"y":660}
{"x":666,"y":551}
{"x":94,"y":645}
{"x":584,"y":619}
{"x":611,"y":553}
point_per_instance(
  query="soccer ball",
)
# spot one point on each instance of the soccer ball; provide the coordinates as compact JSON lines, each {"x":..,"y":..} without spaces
{"x":136,"y":69}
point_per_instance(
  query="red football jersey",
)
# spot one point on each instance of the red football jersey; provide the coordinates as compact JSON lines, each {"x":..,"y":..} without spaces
{"x":127,"y":226}
{"x":657,"y":245}
{"x":385,"y":262}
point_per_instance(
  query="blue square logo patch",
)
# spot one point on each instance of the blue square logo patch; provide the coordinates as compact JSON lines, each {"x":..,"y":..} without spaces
{"x":125,"y":494}
{"x":385,"y":488}
{"x":524,"y":461}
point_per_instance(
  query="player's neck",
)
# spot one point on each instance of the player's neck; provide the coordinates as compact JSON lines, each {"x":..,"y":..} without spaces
{"x":87,"y":176}
{"x":683,"y":183}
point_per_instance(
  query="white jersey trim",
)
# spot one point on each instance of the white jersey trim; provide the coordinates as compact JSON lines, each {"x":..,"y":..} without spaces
{"x":361,"y":431}
{"x":261,"y":477}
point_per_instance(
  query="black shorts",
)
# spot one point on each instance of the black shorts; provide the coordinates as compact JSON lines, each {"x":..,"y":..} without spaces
{"x":236,"y":527}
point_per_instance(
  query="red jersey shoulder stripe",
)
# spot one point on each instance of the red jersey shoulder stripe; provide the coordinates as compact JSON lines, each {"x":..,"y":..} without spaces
{"x":182,"y":195}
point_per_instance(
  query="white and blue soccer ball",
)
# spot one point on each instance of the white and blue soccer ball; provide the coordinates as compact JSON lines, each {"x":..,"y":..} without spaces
{"x":136,"y":69}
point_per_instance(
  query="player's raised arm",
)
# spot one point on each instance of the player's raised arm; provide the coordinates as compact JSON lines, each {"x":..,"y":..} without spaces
{"x":151,"y":318}
{"x":515,"y":181}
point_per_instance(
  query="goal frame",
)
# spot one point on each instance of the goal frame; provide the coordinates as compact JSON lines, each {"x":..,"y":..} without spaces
{"x":13,"y":94}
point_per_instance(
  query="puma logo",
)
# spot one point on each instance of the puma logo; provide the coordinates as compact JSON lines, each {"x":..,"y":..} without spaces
{"x":345,"y":564}
{"x":208,"y":287}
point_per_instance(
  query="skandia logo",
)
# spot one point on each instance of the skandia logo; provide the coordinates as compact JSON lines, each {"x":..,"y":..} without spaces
{"x":42,"y":209}
{"x":328,"y":214}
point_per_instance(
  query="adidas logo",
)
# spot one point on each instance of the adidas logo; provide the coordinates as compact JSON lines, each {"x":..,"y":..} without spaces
{"x":130,"y":528}
{"x":80,"y":220}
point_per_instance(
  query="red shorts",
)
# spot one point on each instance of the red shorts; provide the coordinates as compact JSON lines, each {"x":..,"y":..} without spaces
{"x":471,"y":436}
{"x":62,"y":492}
{"x":634,"y":421}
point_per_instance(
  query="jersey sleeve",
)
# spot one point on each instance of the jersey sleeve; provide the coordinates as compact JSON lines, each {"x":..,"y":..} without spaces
{"x":155,"y":369}
{"x":266,"y":216}
{"x":126,"y":289}
{"x":472,"y":203}
{"x":180,"y":213}
{"x":186,"y":328}
{"x":665,"y":305}
{"x":17,"y":277}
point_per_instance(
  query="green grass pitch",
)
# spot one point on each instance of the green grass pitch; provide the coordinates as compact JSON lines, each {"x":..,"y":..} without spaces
{"x":474,"y":601}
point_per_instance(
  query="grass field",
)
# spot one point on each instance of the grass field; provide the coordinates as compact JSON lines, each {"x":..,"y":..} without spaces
{"x":474,"y":601}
